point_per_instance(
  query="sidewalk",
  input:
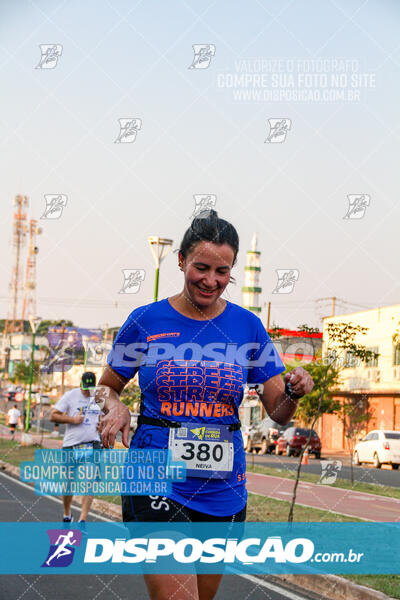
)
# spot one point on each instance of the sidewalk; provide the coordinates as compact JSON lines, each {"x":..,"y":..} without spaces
{"x":369,"y":507}
{"x":336,"y":453}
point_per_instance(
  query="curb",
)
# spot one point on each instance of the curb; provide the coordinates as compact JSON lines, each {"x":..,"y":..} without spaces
{"x":330,"y":586}
{"x":334,"y":587}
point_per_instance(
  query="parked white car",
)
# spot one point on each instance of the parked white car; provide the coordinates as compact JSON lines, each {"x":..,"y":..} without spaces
{"x":245,"y":429}
{"x":379,"y":447}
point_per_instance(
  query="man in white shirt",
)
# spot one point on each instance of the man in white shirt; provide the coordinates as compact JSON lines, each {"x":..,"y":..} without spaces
{"x":79,"y":411}
{"x":13,"y":418}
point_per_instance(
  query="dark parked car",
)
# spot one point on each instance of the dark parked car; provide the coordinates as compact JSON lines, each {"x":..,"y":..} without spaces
{"x":294,"y":439}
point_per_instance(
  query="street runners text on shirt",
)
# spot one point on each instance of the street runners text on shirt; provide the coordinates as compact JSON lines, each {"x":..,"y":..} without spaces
{"x":198,"y":389}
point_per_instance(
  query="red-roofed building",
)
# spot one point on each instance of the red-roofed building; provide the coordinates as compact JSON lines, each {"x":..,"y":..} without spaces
{"x":296,"y":345}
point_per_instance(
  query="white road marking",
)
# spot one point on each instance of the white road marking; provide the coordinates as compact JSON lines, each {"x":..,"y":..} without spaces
{"x":29,"y":487}
{"x":363,"y":498}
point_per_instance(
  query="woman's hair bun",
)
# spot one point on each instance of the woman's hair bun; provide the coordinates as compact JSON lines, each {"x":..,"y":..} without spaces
{"x":208,"y":226}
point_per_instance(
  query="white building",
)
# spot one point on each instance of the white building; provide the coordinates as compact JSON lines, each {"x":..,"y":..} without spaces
{"x":21,"y":347}
{"x":383,"y":373}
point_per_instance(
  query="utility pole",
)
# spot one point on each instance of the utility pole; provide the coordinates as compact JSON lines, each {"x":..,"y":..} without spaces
{"x":62,"y":360}
{"x":268,"y":315}
{"x":333,"y":299}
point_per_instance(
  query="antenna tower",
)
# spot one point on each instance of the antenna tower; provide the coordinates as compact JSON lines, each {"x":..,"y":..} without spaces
{"x":14,"y":323}
{"x":29,"y":303}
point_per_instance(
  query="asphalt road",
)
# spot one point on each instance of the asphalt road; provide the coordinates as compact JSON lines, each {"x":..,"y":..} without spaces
{"x":19,"y":503}
{"x":366,"y":474}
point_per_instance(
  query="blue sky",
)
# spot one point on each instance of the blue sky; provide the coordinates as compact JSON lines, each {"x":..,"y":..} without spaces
{"x":131,"y":59}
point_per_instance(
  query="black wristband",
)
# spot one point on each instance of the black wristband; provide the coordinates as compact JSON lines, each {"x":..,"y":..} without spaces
{"x":289,"y":391}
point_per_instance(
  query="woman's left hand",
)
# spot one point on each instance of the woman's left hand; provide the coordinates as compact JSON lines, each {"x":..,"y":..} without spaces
{"x":300,"y":381}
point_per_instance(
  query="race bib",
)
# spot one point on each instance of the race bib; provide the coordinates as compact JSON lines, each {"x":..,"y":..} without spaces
{"x":207,"y":449}
{"x":83,"y":452}
{"x":90,"y":412}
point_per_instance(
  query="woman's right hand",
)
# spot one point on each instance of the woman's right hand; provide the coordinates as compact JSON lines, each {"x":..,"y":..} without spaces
{"x":118,"y":418}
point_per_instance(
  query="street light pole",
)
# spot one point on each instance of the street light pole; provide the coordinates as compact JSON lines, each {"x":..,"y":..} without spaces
{"x":85,"y":344}
{"x":159,"y":248}
{"x":157,"y":278}
{"x":39,"y":405}
{"x":34,"y":323}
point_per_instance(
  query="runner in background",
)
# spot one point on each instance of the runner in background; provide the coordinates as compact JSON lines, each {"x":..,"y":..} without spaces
{"x":200,"y":351}
{"x":13,"y":419}
{"x":81,"y":414}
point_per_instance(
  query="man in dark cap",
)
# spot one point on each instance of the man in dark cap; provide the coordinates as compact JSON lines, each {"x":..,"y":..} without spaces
{"x":78,"y":410}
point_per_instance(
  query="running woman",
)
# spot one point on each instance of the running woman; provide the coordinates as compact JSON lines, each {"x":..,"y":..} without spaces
{"x":195,"y":352}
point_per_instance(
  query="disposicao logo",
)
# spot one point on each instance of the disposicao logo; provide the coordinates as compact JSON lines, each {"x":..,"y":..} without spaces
{"x":62,"y":547}
{"x":190,"y":550}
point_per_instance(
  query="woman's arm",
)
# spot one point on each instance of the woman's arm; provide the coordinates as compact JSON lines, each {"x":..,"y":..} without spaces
{"x":117,"y":416}
{"x":278,"y":404}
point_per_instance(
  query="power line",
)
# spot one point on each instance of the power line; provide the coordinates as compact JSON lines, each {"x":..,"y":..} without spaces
{"x":78,"y":302}
{"x":341,"y":301}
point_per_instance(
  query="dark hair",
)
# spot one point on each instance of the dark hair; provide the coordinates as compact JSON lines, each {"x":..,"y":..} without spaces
{"x":208,"y":227}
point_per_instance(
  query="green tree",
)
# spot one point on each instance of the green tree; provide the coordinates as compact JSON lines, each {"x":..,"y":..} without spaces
{"x":22,"y":371}
{"x":320,"y":399}
{"x":130,"y":396}
{"x":274,"y":332}
{"x":45,"y":324}
{"x":26,"y":326}
{"x":354,"y":415}
{"x":341,"y":340}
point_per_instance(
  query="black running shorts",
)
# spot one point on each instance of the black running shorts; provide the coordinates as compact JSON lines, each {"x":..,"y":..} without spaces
{"x":163,"y":509}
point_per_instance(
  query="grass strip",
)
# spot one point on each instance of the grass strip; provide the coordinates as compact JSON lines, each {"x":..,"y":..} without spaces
{"x":359,"y":486}
{"x":387,"y":584}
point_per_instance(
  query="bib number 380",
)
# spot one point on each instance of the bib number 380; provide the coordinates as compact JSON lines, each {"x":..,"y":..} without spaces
{"x":209,"y":456}
{"x":203,"y":452}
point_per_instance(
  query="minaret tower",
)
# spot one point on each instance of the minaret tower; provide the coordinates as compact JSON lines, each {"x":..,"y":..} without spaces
{"x":251,"y":290}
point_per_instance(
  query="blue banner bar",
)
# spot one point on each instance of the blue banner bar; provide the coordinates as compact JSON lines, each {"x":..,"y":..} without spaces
{"x":258,"y":548}
{"x":88,"y":472}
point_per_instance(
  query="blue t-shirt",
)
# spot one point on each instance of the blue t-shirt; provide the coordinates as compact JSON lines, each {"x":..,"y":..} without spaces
{"x":195,"y":371}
